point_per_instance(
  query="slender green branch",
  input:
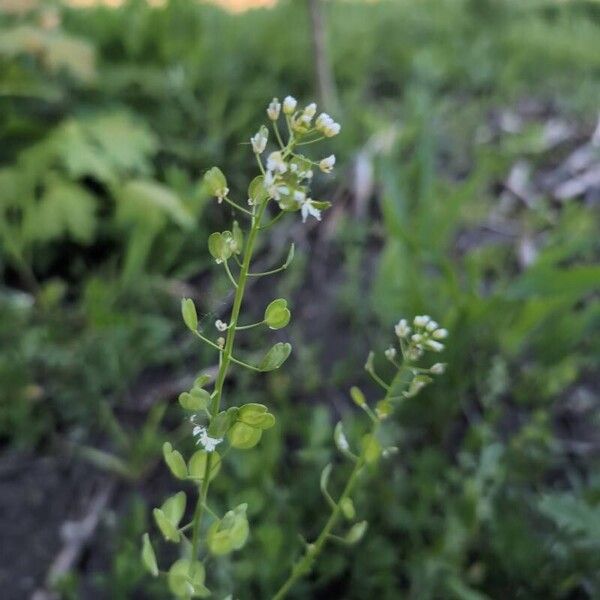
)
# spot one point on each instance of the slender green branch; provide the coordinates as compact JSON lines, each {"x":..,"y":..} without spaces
{"x":304,"y":565}
{"x":229,"y":274}
{"x":272,"y":272}
{"x":226,"y":358}
{"x":238,"y":207}
{"x":242,"y":327}
{"x":278,"y":135}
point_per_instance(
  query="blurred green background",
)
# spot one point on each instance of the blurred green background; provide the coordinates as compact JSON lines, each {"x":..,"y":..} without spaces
{"x":468,"y":188}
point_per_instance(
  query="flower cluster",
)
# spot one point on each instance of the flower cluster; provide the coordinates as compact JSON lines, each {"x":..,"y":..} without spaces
{"x":287,"y":175}
{"x":426,"y":336}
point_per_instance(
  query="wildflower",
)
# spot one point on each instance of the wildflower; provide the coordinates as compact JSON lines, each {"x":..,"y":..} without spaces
{"x":435,"y":346}
{"x":438,"y":368}
{"x":326,"y":165}
{"x":274,"y":109}
{"x":402,"y":329}
{"x":323,"y":120}
{"x":220,"y":325}
{"x":440,"y":334}
{"x":204,"y":440}
{"x":221,"y":342}
{"x":310,"y":111}
{"x":332,"y":129}
{"x":259,"y":140}
{"x":421,"y":320}
{"x":289,"y":105}
{"x":431,"y":326}
{"x":276,"y":163}
{"x":390,"y":353}
{"x":308,"y":208}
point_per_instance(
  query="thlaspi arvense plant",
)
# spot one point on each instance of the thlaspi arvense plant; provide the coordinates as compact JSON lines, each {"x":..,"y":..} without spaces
{"x":282,"y":186}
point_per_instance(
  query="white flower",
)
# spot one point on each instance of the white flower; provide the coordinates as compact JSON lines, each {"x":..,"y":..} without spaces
{"x":310,"y":110}
{"x":422,"y":320}
{"x":289,"y":105}
{"x":417,"y":338}
{"x":438,"y":368}
{"x":326,"y":165}
{"x":276,"y":163}
{"x":221,"y":193}
{"x":390,"y":353}
{"x":435,"y":346}
{"x":299,"y":196}
{"x":259,"y":140}
{"x":204,"y":440}
{"x":402,"y":329}
{"x":440,"y":334}
{"x":307,"y":208}
{"x":274,"y":109}
{"x":220,"y":325}
{"x":332,"y":129}
{"x":431,"y":326}
{"x":323,"y":120}
{"x":221,"y":342}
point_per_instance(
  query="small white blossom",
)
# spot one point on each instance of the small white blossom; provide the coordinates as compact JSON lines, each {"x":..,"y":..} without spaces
{"x":276,"y":163}
{"x":307,"y":208}
{"x":220,"y":325}
{"x":435,"y":346}
{"x":390,"y":353}
{"x":417,"y":338}
{"x":438,"y":368}
{"x":299,"y":196}
{"x":289,"y":105}
{"x":323,"y":120}
{"x":342,"y":441}
{"x":221,"y":342}
{"x":326,"y":165}
{"x":402,"y":329}
{"x":422,"y":320}
{"x":440,"y":334}
{"x":221,"y":194}
{"x":259,"y":140}
{"x":431,"y":326}
{"x":274,"y":109}
{"x":204,"y":440}
{"x":311,"y":110}
{"x":332,"y":129}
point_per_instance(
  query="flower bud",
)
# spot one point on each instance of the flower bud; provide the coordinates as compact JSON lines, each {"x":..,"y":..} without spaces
{"x":275,"y":162}
{"x":289,"y":105}
{"x":332,"y":129}
{"x":259,"y":140}
{"x":220,"y":325}
{"x":438,"y":368}
{"x":274,"y":109}
{"x":390,"y":353}
{"x":440,"y":334}
{"x":402,"y":329}
{"x":326,"y":165}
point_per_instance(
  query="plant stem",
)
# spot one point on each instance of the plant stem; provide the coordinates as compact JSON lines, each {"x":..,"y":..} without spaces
{"x":304,"y":565}
{"x":226,"y":359}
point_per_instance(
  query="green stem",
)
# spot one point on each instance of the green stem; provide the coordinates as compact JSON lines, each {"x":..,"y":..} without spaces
{"x":226,"y":359}
{"x":304,"y":565}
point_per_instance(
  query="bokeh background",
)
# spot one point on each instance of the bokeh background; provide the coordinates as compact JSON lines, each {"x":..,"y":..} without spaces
{"x":468,"y":188}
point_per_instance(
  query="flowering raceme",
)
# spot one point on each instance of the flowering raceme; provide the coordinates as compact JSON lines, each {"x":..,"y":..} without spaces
{"x":282,"y":186}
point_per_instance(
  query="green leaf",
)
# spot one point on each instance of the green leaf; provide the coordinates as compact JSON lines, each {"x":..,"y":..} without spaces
{"x":243,"y":436}
{"x":148,"y":556}
{"x":189,"y":314}
{"x":201,"y":380}
{"x":277,"y":315}
{"x":186,"y":579}
{"x":356,"y":532}
{"x":174,"y":507}
{"x":321,"y":204}
{"x":197,"y":465}
{"x":174,"y":461}
{"x":145,"y":200}
{"x":275,"y":357}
